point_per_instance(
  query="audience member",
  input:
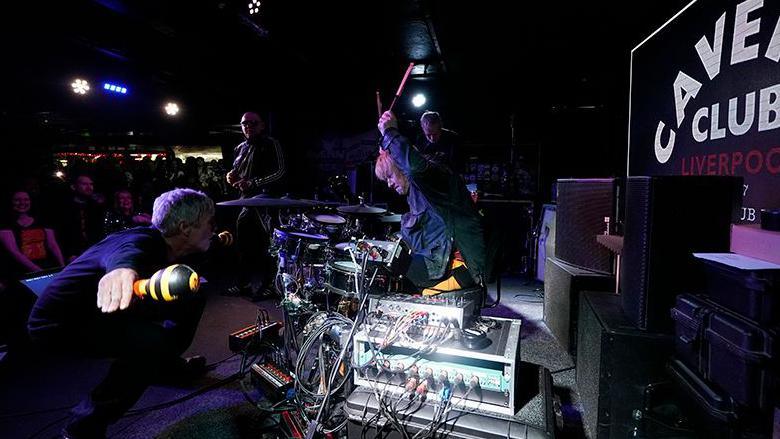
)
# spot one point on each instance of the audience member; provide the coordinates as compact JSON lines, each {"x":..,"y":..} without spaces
{"x":30,"y":243}
{"x":80,"y":218}
{"x":123,"y":215}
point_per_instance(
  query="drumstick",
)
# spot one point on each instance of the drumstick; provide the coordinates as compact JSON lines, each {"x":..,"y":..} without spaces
{"x":378,"y":104}
{"x":401,"y":87}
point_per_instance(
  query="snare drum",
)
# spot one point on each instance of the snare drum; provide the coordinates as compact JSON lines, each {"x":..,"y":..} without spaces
{"x":327,"y":223}
{"x":340,"y":251}
{"x":340,"y":279}
{"x":307,"y":248}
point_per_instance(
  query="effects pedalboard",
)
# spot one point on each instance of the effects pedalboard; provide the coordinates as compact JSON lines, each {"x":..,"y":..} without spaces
{"x":272,"y":379}
{"x":251,"y":335}
{"x":483,"y":378}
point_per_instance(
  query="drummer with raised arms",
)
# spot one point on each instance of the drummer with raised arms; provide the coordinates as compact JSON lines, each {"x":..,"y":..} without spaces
{"x":442,"y":227}
{"x":259,"y":162}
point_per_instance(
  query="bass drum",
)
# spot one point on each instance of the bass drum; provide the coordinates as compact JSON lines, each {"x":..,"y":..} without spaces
{"x":340,"y":279}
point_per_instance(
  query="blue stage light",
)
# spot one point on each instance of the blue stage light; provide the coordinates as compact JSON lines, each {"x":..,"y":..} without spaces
{"x":115,"y":88}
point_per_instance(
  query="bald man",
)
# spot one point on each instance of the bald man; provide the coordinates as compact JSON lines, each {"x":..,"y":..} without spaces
{"x":259,"y":162}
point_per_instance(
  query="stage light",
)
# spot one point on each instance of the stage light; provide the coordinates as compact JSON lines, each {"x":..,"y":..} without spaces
{"x":115,"y":88}
{"x":418,"y":100}
{"x":60,"y":175}
{"x":80,"y":86}
{"x":171,"y":109}
{"x":254,"y":7}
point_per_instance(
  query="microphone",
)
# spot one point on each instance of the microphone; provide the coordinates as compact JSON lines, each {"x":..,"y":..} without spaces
{"x":222,"y":239}
{"x":168,"y":284}
{"x":226,"y":238}
{"x":375,"y":253}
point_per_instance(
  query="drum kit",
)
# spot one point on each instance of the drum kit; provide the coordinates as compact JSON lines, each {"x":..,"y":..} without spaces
{"x":325,"y":249}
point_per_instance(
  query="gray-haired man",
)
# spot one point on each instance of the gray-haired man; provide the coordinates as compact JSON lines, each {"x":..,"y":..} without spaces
{"x":439,"y":144}
{"x":89,"y":309}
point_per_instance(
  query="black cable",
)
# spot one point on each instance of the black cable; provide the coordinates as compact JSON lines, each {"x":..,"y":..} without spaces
{"x":37,"y":412}
{"x":664,"y":424}
{"x":186,"y":397}
{"x":48,"y":426}
{"x":563,"y":370}
{"x":133,"y":412}
{"x":217,"y":363}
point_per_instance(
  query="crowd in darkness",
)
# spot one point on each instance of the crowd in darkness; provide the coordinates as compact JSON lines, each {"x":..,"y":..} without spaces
{"x":51,"y":216}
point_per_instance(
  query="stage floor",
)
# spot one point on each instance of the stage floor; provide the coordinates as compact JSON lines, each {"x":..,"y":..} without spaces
{"x":38,"y":389}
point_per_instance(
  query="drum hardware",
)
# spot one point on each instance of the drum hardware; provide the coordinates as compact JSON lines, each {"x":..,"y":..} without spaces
{"x":361,"y":209}
{"x":266,"y":201}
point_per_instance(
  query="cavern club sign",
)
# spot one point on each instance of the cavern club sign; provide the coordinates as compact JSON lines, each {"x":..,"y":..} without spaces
{"x":705,"y":98}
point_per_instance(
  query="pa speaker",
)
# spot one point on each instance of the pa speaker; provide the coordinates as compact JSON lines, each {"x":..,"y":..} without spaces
{"x":545,"y":239}
{"x":667,"y":219}
{"x":582,"y":206}
{"x":615,"y":363}
{"x":562,"y":287}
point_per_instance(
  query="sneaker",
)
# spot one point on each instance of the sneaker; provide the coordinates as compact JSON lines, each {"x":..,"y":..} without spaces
{"x":264,"y":294}
{"x":237,"y":290}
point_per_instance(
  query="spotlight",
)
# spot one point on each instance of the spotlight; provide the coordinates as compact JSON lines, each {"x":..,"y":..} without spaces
{"x":80,"y":86}
{"x":171,"y":109}
{"x":115,"y":88}
{"x":418,"y":100}
{"x":60,"y":175}
{"x":254,"y":7}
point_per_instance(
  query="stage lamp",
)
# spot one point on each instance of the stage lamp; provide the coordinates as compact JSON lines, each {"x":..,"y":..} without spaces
{"x":254,"y":7}
{"x":418,"y":100}
{"x":115,"y":88}
{"x":171,"y":109}
{"x":80,"y":86}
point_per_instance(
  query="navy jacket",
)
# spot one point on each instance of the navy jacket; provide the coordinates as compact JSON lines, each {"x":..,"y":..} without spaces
{"x":441,"y":213}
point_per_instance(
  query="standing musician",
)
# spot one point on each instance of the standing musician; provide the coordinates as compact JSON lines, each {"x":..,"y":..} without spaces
{"x":89,"y":309}
{"x":259,"y":161}
{"x":442,"y":227}
{"x":438,"y":143}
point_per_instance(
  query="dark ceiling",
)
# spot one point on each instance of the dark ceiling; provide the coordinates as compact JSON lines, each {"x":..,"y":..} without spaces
{"x":317,"y":65}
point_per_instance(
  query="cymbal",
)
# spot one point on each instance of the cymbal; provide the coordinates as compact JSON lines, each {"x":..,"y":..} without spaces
{"x":361,"y":209}
{"x":324,"y":203}
{"x":390,"y":218}
{"x":265,"y":201}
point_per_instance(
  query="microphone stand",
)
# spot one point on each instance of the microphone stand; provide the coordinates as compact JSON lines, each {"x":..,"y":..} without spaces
{"x":314,"y":425}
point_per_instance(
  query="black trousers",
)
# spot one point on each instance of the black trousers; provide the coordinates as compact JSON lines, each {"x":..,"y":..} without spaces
{"x":146,"y":342}
{"x":417,"y":273}
{"x":253,"y":230}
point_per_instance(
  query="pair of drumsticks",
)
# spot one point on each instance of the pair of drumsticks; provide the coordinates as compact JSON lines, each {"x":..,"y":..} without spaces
{"x":397,"y":93}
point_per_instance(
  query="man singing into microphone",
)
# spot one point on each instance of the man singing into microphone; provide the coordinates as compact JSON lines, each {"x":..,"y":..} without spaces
{"x":442,"y":226}
{"x":89,"y":309}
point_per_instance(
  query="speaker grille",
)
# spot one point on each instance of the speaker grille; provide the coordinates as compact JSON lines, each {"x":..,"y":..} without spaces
{"x":562,"y":286}
{"x":634,"y":267}
{"x":582,"y":206}
{"x":667,"y":220}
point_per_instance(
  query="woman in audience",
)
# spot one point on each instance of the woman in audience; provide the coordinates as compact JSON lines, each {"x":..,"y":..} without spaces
{"x":31,"y":244}
{"x":123,"y":216}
